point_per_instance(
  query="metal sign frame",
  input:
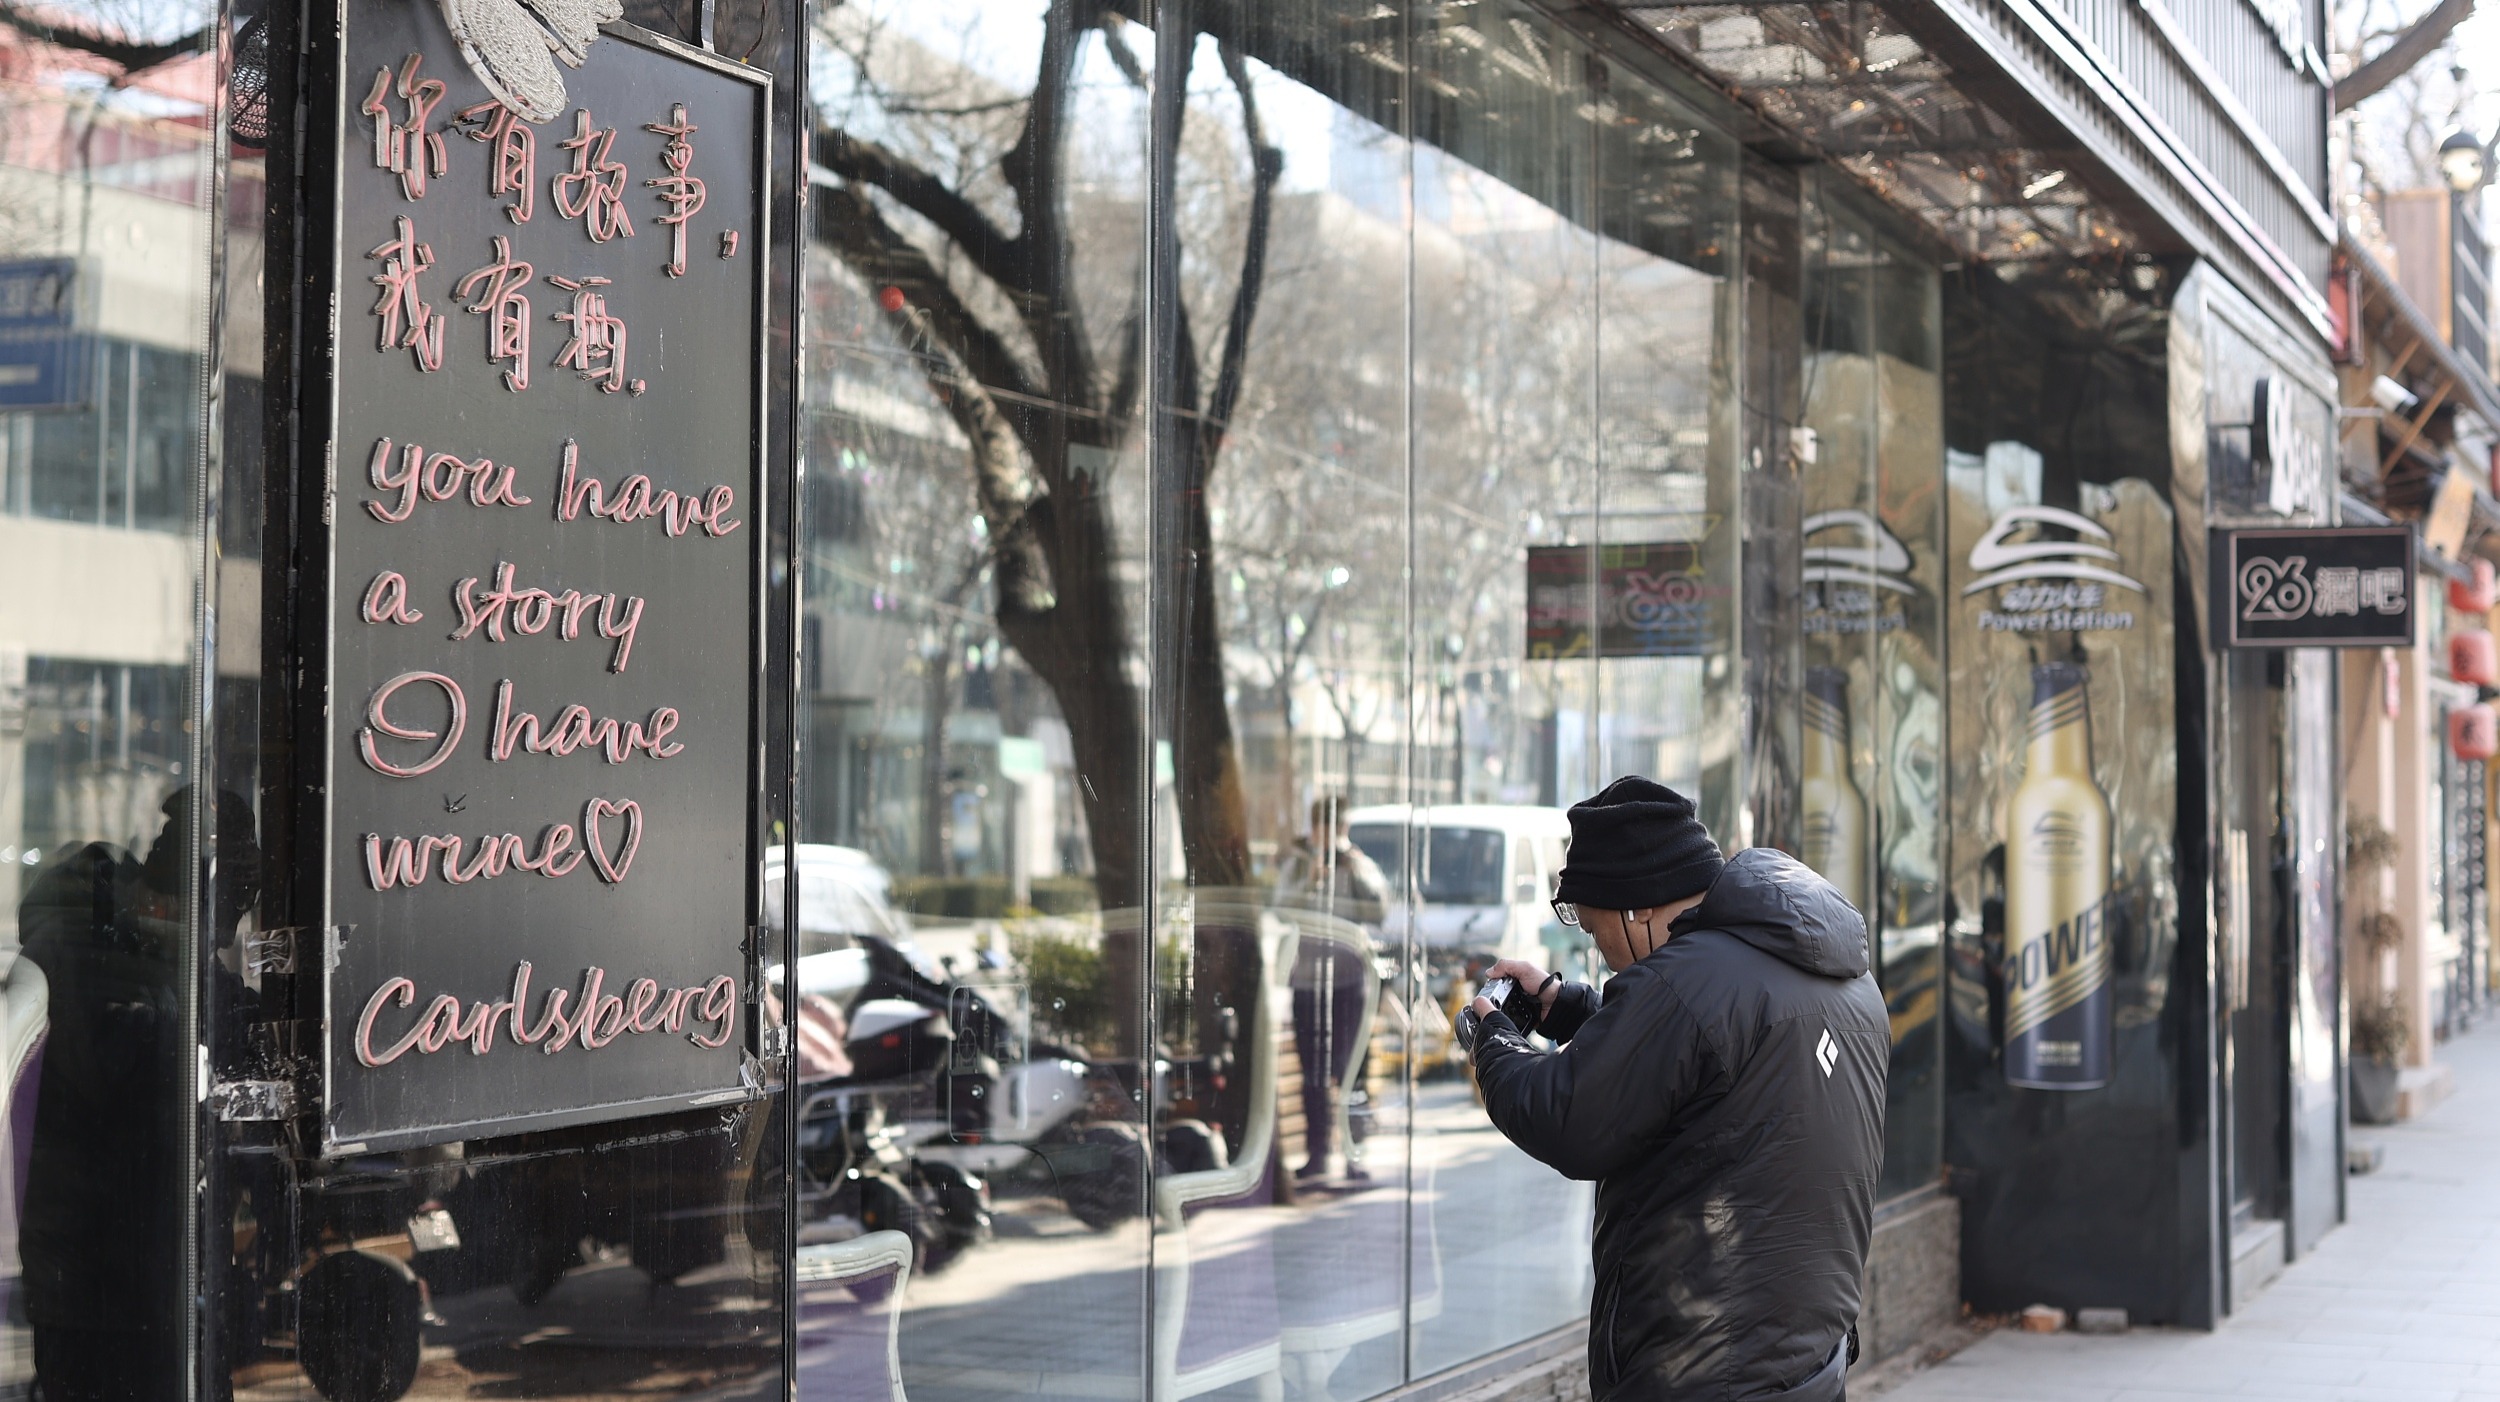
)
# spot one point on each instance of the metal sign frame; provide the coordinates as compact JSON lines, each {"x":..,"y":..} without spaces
{"x":325,"y":715}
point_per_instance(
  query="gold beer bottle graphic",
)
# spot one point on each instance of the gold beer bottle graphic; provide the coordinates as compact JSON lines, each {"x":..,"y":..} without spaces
{"x":1834,"y":812}
{"x":2057,"y":993}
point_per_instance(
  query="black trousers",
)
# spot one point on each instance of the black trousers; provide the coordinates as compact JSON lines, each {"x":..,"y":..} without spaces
{"x":1328,"y":1033}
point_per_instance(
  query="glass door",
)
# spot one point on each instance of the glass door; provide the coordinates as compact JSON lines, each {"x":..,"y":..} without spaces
{"x":2252,"y":872}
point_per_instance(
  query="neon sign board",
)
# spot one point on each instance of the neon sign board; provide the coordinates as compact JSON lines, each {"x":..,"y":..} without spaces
{"x":545,"y":541}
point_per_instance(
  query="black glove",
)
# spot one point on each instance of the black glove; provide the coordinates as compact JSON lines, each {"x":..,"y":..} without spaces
{"x":1471,"y":1026}
{"x":1519,"y":1013}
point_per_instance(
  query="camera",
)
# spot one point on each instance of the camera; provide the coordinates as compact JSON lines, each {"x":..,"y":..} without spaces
{"x":1519,"y":1006}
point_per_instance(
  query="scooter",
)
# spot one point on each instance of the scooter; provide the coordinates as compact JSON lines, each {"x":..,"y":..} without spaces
{"x":937,"y":1093}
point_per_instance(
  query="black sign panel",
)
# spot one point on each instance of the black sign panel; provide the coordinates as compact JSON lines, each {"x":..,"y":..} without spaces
{"x":544,"y":587}
{"x":2335,"y":586}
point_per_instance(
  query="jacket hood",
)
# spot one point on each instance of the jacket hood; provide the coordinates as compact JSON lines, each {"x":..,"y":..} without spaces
{"x":1777,"y":904}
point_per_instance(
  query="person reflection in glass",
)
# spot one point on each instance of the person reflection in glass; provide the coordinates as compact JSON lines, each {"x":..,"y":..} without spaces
{"x":1324,"y":872}
{"x":102,"y":1242}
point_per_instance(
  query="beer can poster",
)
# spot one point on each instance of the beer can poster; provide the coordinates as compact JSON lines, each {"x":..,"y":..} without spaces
{"x":2063,"y":855}
{"x":2057,"y":993}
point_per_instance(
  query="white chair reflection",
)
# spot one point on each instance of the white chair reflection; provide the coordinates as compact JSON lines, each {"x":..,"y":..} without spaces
{"x":1344,"y":1287}
{"x":25,"y":1022}
{"x":1216,"y":1321}
{"x":850,"y":1300}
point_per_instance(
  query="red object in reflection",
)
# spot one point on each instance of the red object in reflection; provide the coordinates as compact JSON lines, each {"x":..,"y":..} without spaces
{"x":890,"y":298}
{"x":2472,"y":659}
{"x":2474,"y":732}
{"x":2475,"y":596}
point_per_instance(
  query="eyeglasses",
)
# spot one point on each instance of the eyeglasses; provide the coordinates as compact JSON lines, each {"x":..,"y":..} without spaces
{"x":1567,"y":913}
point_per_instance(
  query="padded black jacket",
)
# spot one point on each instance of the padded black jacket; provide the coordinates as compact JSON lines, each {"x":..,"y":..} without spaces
{"x":1727,"y":1095}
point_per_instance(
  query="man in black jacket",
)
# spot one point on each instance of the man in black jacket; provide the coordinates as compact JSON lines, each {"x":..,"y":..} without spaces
{"x":1726,"y":1092}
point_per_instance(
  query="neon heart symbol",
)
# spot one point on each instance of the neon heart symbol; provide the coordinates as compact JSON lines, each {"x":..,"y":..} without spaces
{"x":612,"y":870}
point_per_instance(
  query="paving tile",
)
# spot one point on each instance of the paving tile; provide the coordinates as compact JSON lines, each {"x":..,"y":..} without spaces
{"x":2400,"y":1304}
{"x":2341,"y":1393}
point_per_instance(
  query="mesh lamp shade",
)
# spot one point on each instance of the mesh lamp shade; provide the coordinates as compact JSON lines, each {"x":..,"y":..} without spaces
{"x":2473,"y":732}
{"x":2472,"y":659}
{"x":2474,"y":595}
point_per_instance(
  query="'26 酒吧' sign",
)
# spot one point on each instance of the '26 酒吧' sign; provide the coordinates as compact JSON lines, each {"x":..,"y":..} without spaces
{"x":543,"y":595}
{"x":2328,"y":586}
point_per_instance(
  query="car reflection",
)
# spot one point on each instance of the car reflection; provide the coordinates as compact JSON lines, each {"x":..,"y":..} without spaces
{"x":1484,"y":873}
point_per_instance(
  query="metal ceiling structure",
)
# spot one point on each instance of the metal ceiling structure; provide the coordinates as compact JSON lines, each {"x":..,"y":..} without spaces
{"x":1850,"y":84}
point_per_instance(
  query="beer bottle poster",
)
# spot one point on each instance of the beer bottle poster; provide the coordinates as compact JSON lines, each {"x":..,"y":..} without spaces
{"x":546,"y":524}
{"x":2063,"y":678}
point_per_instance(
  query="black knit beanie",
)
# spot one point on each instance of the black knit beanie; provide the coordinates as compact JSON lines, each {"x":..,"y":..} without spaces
{"x":1638,"y":845}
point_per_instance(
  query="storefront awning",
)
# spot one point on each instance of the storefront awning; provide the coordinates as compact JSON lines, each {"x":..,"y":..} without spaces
{"x":2420,"y":357}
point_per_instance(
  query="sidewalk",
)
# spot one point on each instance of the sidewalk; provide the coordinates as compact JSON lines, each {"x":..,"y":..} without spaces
{"x":2400,"y":1304}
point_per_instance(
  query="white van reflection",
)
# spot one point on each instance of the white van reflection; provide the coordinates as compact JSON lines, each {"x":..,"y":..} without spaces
{"x":1484,"y":873}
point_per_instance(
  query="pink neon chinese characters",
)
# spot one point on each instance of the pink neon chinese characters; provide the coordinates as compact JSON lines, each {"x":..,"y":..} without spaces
{"x":593,"y":191}
{"x":408,"y":322}
{"x":597,"y":346}
{"x":405,"y":146}
{"x":506,"y":307}
{"x":514,"y":170}
{"x":683,"y":193}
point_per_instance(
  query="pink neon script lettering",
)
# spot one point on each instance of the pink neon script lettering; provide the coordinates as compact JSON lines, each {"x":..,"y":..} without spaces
{"x":706,"y":1014}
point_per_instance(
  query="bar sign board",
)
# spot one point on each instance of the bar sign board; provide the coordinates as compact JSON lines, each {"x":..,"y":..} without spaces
{"x":544,"y":583}
{"x":2328,"y":586}
{"x":1622,"y":599}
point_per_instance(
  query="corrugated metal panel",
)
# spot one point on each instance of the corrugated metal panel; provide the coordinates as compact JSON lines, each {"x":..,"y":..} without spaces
{"x":2159,"y":48}
{"x":2231,"y":39}
{"x":2213,"y":168}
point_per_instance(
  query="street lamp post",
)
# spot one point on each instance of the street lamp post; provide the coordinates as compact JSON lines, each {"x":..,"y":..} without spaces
{"x":2466,"y":164}
{"x":2463,"y":162}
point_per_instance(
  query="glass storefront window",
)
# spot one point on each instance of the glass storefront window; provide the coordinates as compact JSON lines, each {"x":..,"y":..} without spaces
{"x":1252,"y":478}
{"x":1339,"y":421}
{"x":1872,"y":725}
{"x":104,"y":216}
{"x":990,"y":879}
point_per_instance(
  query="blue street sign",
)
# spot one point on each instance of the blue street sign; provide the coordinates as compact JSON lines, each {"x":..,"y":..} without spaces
{"x":38,"y":294}
{"x":46,"y":370}
{"x":44,"y":359}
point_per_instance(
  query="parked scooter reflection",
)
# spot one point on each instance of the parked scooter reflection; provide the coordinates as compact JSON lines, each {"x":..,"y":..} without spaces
{"x":918,"y":1089}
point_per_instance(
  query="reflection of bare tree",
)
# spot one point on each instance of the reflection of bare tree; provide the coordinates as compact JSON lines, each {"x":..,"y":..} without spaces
{"x":895,"y":529}
{"x":130,"y":34}
{"x":2409,"y":42}
{"x":1357,"y":693}
{"x":941,"y":646}
{"x":1013,"y":355}
{"x":1504,"y":459}
{"x":1284,"y":579}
